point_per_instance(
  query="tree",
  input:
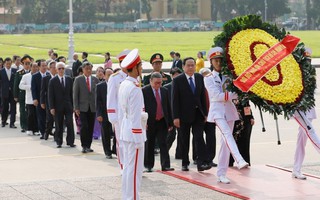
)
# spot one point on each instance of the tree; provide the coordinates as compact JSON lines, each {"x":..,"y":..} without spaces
{"x":105,"y":7}
{"x":26,"y":12}
{"x":146,"y":8}
{"x":313,"y":15}
{"x":44,"y":11}
{"x":223,"y":8}
{"x":185,"y":7}
{"x":84,"y":10}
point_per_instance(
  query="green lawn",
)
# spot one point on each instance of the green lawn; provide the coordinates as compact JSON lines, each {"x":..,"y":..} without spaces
{"x":187,"y":43}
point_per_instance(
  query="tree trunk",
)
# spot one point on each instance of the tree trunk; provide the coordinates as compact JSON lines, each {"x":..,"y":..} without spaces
{"x":308,"y":9}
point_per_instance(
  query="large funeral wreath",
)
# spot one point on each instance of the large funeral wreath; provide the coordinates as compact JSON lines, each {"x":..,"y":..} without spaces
{"x":288,"y":86}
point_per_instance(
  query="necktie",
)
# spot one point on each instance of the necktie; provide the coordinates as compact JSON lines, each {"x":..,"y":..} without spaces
{"x":220,"y":75}
{"x":62,"y":82}
{"x":159,"y":113}
{"x":193,"y":88}
{"x":88,"y":84}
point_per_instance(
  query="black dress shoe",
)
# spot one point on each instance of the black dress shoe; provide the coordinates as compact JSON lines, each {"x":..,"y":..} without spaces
{"x":22,"y":130}
{"x":58,"y":146}
{"x":148,"y":170}
{"x":185,"y":168}
{"x":203,"y":167}
{"x":213,"y":164}
{"x":167,"y":169}
{"x":109,"y":156}
{"x":3,"y":125}
{"x":41,"y":138}
{"x":72,"y":145}
{"x":12,"y":126}
{"x":84,"y":150}
{"x":89,"y":150}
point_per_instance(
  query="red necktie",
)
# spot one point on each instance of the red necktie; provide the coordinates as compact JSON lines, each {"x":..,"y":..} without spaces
{"x":159,"y":113}
{"x":88,"y":84}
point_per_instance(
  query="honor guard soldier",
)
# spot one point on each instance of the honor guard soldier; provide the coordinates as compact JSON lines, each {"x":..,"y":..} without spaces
{"x":156,"y":62}
{"x":306,"y":131}
{"x":112,"y":102}
{"x":20,"y":95}
{"x":133,"y":121}
{"x":223,"y":112}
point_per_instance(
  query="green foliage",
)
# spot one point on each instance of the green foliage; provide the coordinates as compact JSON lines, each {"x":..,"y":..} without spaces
{"x":223,"y":8}
{"x":186,"y":7}
{"x":307,"y":100}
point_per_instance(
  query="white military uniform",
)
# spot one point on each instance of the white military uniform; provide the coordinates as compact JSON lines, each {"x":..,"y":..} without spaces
{"x":112,"y":109}
{"x":133,"y":136}
{"x":25,"y":84}
{"x":303,"y":134}
{"x":223,"y":112}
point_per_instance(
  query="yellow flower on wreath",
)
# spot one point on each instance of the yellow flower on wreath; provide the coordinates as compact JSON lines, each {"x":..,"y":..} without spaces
{"x":287,"y":85}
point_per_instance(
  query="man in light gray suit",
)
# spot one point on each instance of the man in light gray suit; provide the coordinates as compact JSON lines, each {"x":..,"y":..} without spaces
{"x":84,"y":96}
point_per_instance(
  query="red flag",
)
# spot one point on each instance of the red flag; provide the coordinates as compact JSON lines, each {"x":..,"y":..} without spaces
{"x":265,"y":63}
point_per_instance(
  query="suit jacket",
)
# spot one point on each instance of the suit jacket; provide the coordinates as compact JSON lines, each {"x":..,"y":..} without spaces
{"x":84,"y":100}
{"x":184,"y":102}
{"x":101,"y":100}
{"x":168,"y":86}
{"x":5,"y":83}
{"x":60,"y":98}
{"x":75,"y":68}
{"x":150,"y":104}
{"x":36,"y":86}
{"x":68,"y":72}
{"x":178,"y":63}
{"x":44,"y":90}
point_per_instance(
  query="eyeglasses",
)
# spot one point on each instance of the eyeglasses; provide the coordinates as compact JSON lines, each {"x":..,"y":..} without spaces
{"x":61,"y":68}
{"x":27,"y":63}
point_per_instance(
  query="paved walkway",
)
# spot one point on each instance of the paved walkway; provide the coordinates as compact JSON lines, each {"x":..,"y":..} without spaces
{"x":31,"y":168}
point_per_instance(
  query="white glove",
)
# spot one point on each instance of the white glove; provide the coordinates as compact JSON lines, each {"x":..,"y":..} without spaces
{"x":144,"y":119}
{"x":139,"y":145}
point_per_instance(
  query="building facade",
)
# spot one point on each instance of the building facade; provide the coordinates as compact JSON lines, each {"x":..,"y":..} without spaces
{"x":162,"y":9}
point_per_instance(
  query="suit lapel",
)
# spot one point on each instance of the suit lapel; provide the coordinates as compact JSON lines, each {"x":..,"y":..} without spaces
{"x":196,"y":80}
{"x":162,"y":97}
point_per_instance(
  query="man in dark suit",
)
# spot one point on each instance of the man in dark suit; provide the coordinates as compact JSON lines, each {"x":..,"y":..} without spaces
{"x":60,"y":104}
{"x":44,"y":99}
{"x":84,"y":57}
{"x":157,"y":106}
{"x":177,"y":60}
{"x":190,"y":110}
{"x":76,"y":65}
{"x":102,"y":117}
{"x":6,"y":81}
{"x":172,"y":133}
{"x":35,"y":90}
{"x":84,"y":96}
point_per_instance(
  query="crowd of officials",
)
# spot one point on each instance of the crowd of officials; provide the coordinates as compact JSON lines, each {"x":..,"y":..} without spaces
{"x":192,"y":99}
